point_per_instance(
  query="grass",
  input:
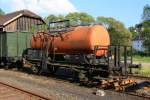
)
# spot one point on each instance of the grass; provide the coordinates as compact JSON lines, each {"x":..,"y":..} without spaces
{"x":145,"y":68}
{"x":144,"y":71}
{"x":141,"y":58}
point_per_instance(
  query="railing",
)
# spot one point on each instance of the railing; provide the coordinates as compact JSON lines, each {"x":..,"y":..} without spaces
{"x":117,"y":57}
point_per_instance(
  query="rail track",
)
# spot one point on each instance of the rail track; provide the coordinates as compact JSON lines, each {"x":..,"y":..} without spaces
{"x":134,"y":85}
{"x":30,"y":95}
{"x":141,"y":94}
{"x":9,"y":92}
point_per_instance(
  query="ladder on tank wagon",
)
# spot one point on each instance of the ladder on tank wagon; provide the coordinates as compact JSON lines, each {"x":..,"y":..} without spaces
{"x":44,"y":54}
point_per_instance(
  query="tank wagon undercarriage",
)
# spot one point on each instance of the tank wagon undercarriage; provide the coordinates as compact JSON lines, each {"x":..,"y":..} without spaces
{"x":87,"y":67}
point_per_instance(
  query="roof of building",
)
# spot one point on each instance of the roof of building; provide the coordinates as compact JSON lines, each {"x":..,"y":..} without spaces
{"x":7,"y":18}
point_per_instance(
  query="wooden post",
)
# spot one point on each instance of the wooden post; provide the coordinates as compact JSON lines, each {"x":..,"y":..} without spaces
{"x":125,"y":60}
{"x":131,"y":60}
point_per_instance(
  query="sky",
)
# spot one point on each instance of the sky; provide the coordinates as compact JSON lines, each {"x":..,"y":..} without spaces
{"x":127,"y":11}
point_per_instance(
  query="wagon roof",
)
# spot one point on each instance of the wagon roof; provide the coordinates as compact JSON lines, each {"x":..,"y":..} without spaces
{"x":7,"y":18}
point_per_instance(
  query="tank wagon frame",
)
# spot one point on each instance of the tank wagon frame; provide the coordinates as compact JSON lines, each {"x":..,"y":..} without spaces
{"x":114,"y":63}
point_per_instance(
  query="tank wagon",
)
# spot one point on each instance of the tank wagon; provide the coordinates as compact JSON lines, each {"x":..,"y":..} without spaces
{"x":81,"y":39}
{"x":85,"y":49}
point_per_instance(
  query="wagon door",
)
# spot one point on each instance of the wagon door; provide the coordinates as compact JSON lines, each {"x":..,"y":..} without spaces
{"x":12,"y":44}
{"x":23,"y":42}
{"x":17,"y":43}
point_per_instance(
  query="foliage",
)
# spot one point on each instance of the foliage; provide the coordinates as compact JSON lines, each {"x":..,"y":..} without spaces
{"x":146,"y":30}
{"x":141,"y":58}
{"x":75,"y":18}
{"x":143,"y":71}
{"x":118,"y":33}
{"x":146,"y":12}
{"x":133,"y":31}
{"x":80,"y":18}
{"x":142,"y":30}
{"x":54,"y":18}
{"x":1,"y":12}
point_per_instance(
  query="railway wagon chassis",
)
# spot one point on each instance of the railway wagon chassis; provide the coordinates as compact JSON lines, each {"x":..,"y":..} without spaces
{"x":87,"y":66}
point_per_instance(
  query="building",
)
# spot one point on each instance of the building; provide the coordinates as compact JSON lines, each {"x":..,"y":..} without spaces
{"x":137,"y":44}
{"x":19,"y":21}
{"x":15,"y":32}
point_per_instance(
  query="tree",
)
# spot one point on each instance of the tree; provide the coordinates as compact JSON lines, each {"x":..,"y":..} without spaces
{"x":146,"y":30}
{"x":73,"y":17}
{"x":54,"y":18}
{"x":1,"y":12}
{"x":119,"y":35}
{"x":86,"y":18}
{"x":77,"y":18}
{"x":134,"y":32}
{"x":146,"y":12}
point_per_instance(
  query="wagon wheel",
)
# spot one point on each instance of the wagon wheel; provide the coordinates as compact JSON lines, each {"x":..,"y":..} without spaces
{"x":6,"y":67}
{"x":2,"y":64}
{"x":35,"y":69}
{"x":19,"y":64}
{"x":52,"y":69}
{"x":83,"y":78}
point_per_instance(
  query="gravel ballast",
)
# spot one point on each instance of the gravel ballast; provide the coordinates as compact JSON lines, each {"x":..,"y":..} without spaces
{"x":57,"y":89}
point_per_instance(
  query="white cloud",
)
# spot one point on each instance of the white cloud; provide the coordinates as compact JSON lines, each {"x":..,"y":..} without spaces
{"x":42,"y":7}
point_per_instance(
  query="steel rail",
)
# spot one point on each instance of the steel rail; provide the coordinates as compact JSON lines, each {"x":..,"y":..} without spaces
{"x":25,"y":91}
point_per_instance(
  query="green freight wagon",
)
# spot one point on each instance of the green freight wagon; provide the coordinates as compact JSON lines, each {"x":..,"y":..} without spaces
{"x":15,"y":34}
{"x":12,"y":44}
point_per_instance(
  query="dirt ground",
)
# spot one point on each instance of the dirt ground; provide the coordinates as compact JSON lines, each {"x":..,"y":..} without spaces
{"x":57,"y":89}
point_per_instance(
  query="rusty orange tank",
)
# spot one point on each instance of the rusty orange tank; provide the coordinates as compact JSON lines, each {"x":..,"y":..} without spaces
{"x":81,"y":40}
